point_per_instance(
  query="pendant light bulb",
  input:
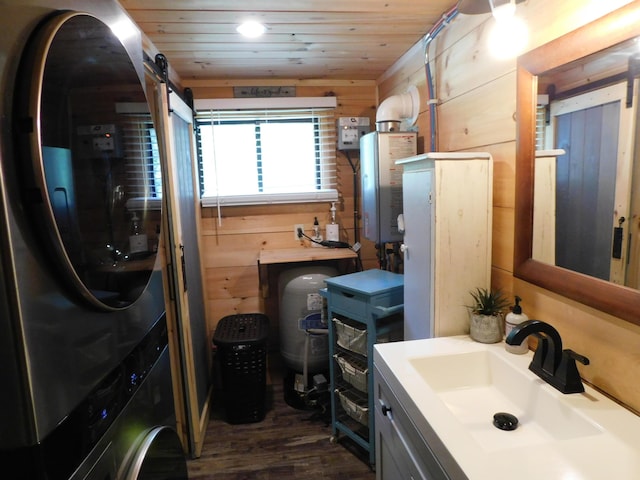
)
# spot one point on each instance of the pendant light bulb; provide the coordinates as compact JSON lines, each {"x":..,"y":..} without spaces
{"x":508,"y":37}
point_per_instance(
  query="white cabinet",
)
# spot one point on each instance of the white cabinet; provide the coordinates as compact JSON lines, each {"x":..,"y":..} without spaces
{"x":402,"y":452}
{"x":447,"y":210}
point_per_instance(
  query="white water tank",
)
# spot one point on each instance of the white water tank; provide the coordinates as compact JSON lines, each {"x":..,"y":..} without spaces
{"x":301,"y":309}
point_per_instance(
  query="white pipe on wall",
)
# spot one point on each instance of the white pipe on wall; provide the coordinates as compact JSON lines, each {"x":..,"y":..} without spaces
{"x":397,"y":107}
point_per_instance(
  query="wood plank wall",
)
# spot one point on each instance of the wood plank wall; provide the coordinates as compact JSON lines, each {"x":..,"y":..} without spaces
{"x":476,"y":112}
{"x":232,"y":243}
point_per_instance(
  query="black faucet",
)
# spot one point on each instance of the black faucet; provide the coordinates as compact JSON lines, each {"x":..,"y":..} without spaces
{"x":551,"y":363}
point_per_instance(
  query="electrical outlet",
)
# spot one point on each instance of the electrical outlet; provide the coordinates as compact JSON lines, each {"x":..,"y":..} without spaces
{"x":295,"y":230}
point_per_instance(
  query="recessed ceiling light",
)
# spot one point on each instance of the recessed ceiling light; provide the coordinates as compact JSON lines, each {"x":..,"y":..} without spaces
{"x":251,"y":29}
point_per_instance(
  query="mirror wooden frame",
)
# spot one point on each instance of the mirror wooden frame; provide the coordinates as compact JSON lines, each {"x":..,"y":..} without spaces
{"x":611,"y":29}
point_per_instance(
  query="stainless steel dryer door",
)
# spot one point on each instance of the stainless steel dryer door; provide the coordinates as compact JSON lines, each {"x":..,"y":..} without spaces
{"x":92,"y":175}
{"x":159,"y":456}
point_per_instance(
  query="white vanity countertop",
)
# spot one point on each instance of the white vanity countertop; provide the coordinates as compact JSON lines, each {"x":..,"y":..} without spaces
{"x":610,"y":448}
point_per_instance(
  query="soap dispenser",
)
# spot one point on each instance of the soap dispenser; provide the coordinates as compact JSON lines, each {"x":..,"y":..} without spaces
{"x":317,"y":238}
{"x":515,"y":317}
{"x":333,"y":231}
{"x":137,"y":239}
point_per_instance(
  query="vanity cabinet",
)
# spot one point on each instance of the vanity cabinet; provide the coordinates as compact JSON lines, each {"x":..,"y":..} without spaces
{"x":365,"y":308}
{"x":401,"y":451}
{"x":447,"y":216}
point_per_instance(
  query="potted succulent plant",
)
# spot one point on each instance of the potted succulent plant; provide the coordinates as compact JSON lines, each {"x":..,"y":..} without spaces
{"x":485,"y":324}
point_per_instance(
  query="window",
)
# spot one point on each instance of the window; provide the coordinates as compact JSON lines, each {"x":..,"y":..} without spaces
{"x":541,"y":123}
{"x":144,"y":175}
{"x":272,"y":155}
{"x":143,"y":182}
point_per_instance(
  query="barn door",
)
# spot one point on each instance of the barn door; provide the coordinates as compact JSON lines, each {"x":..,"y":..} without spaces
{"x":593,"y":180}
{"x":194,"y":343}
{"x":190,"y":350}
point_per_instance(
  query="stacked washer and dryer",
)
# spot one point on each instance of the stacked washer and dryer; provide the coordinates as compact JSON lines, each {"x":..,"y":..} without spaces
{"x":84,"y":365}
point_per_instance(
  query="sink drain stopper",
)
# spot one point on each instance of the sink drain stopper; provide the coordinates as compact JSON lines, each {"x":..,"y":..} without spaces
{"x":505,"y":421}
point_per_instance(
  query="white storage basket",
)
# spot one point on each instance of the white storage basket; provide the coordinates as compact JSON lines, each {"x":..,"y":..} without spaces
{"x":354,"y":372}
{"x":354,"y":407}
{"x":350,"y":337}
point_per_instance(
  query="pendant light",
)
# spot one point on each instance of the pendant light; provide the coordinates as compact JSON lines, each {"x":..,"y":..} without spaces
{"x":475,"y":7}
{"x":508,"y":36}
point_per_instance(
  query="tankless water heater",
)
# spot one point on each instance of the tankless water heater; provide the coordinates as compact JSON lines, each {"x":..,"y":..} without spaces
{"x":382,"y":182}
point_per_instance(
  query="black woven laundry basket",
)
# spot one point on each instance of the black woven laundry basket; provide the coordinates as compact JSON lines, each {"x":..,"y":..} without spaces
{"x":241,"y":353}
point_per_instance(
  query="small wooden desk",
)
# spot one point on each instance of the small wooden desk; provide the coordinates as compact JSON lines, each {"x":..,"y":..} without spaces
{"x":284,"y":256}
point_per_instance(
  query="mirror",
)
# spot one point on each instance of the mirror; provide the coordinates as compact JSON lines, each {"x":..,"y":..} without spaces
{"x":89,"y":159}
{"x":571,"y":70}
{"x":583,"y":170}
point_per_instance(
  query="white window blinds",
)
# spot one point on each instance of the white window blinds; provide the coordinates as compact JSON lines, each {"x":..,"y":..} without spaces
{"x":266,"y":155}
{"x":541,"y":123}
{"x":143,"y":161}
{"x":143,"y":172}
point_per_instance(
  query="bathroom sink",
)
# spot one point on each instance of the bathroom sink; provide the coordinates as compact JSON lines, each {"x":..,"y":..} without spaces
{"x":451,"y":387}
{"x":476,"y":385}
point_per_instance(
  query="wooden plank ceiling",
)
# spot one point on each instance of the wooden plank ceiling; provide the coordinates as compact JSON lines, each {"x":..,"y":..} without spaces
{"x":305,"y":39}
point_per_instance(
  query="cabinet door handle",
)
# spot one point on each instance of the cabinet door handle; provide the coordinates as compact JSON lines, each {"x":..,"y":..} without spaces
{"x":401,"y":435}
{"x":386,"y":410}
{"x":184,"y":269}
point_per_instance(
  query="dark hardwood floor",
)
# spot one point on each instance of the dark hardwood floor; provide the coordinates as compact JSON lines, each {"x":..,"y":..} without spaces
{"x":290,"y":443}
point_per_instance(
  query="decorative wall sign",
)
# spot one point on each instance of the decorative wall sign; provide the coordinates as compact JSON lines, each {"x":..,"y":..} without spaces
{"x":263,"y":92}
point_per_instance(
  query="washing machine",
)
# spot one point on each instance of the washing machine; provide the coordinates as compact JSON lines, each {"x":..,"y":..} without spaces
{"x":141,"y":442}
{"x":83,"y":356}
{"x":124,"y":429}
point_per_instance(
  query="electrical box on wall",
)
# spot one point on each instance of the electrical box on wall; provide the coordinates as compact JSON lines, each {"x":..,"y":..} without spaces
{"x":104,"y":142}
{"x":98,"y":139}
{"x":350,"y":129}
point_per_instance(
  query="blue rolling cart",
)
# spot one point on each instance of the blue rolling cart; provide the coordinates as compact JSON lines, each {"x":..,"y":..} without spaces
{"x":364,"y":308}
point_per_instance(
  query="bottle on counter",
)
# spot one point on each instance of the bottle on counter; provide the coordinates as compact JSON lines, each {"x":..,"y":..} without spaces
{"x":156,"y":240}
{"x":513,"y":318}
{"x":137,"y":239}
{"x":317,"y":238}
